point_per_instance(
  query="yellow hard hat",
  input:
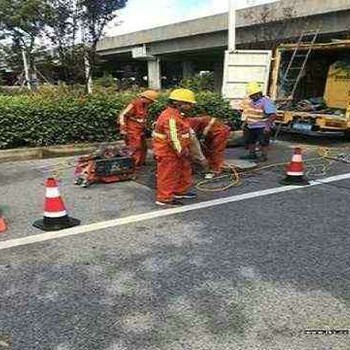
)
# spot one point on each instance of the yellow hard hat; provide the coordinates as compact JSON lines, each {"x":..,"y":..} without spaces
{"x":253,"y":88}
{"x":183,"y":95}
{"x":150,"y":94}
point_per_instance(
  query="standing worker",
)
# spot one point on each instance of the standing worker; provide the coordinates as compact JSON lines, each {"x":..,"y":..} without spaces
{"x":132,"y":121}
{"x":258,"y":115}
{"x":171,"y":144}
{"x":214,"y":135}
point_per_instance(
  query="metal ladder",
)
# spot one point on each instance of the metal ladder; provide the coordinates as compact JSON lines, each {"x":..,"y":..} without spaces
{"x":297,"y":63}
{"x":297,"y":71}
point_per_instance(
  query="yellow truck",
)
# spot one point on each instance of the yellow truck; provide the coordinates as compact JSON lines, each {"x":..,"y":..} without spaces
{"x":320,"y":103}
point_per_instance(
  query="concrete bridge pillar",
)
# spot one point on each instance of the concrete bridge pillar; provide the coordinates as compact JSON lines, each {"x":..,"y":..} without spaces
{"x":154,"y":79}
{"x":187,"y":69}
{"x":218,"y":75}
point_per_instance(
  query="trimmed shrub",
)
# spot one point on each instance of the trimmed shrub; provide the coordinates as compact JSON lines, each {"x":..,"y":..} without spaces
{"x":199,"y":82}
{"x":55,"y":117}
{"x":209,"y":103}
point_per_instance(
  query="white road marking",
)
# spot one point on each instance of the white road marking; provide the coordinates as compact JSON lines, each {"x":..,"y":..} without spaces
{"x":160,"y":213}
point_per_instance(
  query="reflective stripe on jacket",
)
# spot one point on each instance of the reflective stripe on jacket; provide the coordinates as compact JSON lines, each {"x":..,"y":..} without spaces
{"x":252,"y":113}
{"x":171,"y":132}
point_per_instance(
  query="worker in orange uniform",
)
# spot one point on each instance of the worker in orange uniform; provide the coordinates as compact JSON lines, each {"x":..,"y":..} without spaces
{"x":171,"y":145}
{"x":132,"y":121}
{"x":258,"y":115}
{"x":214,"y":135}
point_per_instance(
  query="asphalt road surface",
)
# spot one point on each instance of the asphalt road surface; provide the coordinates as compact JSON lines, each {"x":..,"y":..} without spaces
{"x":255,"y":267}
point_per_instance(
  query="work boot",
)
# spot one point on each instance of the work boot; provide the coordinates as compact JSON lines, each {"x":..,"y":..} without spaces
{"x":188,"y":195}
{"x":250,"y":156}
{"x":172,"y":203}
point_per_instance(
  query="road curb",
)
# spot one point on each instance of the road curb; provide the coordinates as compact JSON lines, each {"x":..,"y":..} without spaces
{"x":20,"y":154}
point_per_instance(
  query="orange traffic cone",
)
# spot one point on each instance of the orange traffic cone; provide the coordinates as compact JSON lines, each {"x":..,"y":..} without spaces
{"x":3,"y":225}
{"x":295,"y":170}
{"x":55,"y":214}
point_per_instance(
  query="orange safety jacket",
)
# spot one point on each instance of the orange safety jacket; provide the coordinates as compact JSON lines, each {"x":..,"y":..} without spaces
{"x":207,"y":126}
{"x":137,"y":112}
{"x":171,"y":134}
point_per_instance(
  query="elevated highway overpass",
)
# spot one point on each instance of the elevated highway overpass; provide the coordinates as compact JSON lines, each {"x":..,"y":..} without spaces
{"x":181,"y":49}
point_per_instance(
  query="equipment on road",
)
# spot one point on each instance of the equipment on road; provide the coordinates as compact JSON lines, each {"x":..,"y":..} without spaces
{"x":295,"y":170}
{"x":3,"y":225}
{"x":55,"y":214}
{"x":107,"y":165}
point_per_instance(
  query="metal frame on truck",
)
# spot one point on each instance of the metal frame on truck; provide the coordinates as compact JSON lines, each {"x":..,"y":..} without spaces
{"x":243,"y":66}
{"x":311,"y":123}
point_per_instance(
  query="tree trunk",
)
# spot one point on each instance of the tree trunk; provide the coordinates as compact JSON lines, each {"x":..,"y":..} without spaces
{"x":34,"y":79}
{"x":26,"y":69}
{"x":88,"y":74}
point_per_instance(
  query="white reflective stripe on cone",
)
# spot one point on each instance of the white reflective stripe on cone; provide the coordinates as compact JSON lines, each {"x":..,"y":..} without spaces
{"x":57,"y":214}
{"x":294,"y":173}
{"x":297,"y":158}
{"x":52,"y":192}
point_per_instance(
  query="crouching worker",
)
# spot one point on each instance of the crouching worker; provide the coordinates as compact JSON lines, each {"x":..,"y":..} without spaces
{"x":171,"y":145}
{"x":132,"y":123}
{"x":258,"y":115}
{"x":213,"y":135}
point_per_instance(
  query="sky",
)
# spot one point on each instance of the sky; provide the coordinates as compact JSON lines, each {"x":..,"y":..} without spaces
{"x":143,"y":14}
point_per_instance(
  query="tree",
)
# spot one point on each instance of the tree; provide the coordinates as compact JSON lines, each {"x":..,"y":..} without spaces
{"x":62,"y":30}
{"x":94,"y":16}
{"x":72,"y":22}
{"x":23,"y":22}
{"x":74,"y":28}
{"x":11,"y":57}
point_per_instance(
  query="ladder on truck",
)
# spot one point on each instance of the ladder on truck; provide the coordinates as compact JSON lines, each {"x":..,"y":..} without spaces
{"x":296,"y":66}
{"x":297,"y":63}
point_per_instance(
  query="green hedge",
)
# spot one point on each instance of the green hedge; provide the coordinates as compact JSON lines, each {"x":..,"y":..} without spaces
{"x":56,"y":117}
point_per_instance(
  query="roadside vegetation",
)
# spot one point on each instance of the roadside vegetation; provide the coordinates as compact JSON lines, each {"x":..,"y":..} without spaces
{"x":65,"y":115}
